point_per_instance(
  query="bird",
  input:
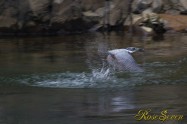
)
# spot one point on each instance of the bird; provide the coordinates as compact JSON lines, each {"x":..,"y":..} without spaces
{"x":122,"y":60}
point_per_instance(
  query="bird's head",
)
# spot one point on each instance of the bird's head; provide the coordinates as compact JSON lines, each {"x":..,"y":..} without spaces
{"x":134,"y":49}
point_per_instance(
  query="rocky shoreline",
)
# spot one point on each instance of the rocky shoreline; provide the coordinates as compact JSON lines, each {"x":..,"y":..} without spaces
{"x":53,"y":17}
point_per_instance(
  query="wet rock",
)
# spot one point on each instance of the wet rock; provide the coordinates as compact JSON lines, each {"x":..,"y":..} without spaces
{"x":183,"y":12}
{"x":75,"y":26}
{"x":7,"y":22}
{"x":8,"y":25}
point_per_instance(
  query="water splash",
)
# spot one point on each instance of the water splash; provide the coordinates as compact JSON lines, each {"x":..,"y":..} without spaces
{"x":71,"y":80}
{"x":105,"y":77}
{"x":101,"y":74}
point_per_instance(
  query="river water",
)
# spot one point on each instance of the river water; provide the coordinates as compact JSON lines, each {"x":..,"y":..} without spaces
{"x":66,"y":79}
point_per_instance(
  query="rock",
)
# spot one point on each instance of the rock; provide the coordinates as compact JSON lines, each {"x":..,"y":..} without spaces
{"x":172,"y":12}
{"x":95,"y":28}
{"x":100,"y":11}
{"x":147,"y":12}
{"x":7,"y":22}
{"x":140,"y":5}
{"x":30,"y":24}
{"x":183,"y":12}
{"x":10,"y":11}
{"x":75,"y":15}
{"x":136,"y":20}
{"x":117,"y":13}
{"x":8,"y":25}
{"x":172,"y":5}
{"x":66,"y":10}
{"x":150,"y":20}
{"x":90,"y":14}
{"x":39,"y":7}
{"x":157,"y":6}
{"x":147,"y":30}
{"x":183,"y":3}
{"x":92,"y":5}
{"x":175,"y":22}
{"x":58,"y":1}
{"x":2,"y":2}
{"x":115,"y":17}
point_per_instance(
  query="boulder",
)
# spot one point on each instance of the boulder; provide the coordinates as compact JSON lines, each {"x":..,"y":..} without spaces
{"x":140,"y":5}
{"x":10,"y":12}
{"x":157,"y":6}
{"x":64,"y":11}
{"x":183,"y":12}
{"x":147,"y":30}
{"x":136,"y":20}
{"x":39,"y":7}
{"x":58,"y":1}
{"x":100,"y":11}
{"x":147,"y":12}
{"x":2,"y":3}
{"x":173,"y":5}
{"x":90,"y":14}
{"x":8,"y":6}
{"x":81,"y":15}
{"x":7,"y":22}
{"x":92,"y":5}
{"x":172,"y":12}
{"x":175,"y":22}
{"x":115,"y":17}
{"x":184,"y":4}
{"x":117,"y":12}
{"x":8,"y":25}
{"x":30,"y":24}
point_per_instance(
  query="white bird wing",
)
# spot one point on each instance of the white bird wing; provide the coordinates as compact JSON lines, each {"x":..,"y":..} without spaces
{"x":124,"y":60}
{"x":122,"y":55}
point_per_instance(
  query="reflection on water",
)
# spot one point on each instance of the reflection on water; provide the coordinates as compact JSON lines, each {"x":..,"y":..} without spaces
{"x":31,"y":69}
{"x":83,"y":106}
